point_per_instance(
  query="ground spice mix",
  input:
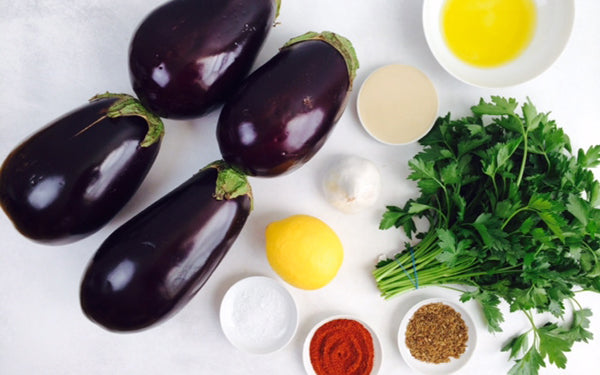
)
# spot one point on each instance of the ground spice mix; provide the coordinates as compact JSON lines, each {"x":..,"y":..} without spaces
{"x":342,"y":347}
{"x":436,"y":333}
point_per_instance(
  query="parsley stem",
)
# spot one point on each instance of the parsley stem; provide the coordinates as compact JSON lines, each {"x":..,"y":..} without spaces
{"x":525,"y":147}
{"x":395,"y":281}
{"x":577,"y":303}
{"x":534,"y":328}
{"x":522,"y":209}
{"x":493,"y":178}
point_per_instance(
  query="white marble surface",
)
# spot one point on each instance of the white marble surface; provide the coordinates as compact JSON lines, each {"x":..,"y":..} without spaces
{"x":56,"y":55}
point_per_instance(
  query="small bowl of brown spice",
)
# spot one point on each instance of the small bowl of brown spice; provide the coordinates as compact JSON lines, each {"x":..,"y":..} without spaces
{"x":436,"y":336}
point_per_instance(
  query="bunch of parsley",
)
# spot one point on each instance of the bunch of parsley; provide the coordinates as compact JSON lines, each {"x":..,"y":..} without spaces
{"x":512,"y":214}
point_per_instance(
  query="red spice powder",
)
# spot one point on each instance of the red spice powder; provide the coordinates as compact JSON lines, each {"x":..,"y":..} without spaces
{"x":342,"y":347}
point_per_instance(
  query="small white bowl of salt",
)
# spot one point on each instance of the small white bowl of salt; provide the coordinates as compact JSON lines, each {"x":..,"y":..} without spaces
{"x":258,"y":315}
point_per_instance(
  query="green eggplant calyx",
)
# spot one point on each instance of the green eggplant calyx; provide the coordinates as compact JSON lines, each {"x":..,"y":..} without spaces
{"x":278,"y":7}
{"x":342,"y":44}
{"x":231,"y":183}
{"x":127,"y":105}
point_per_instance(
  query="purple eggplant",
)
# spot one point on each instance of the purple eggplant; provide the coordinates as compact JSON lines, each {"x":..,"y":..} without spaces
{"x":70,"y":178}
{"x":284,"y":111}
{"x":187,"y":56}
{"x":152,"y":265}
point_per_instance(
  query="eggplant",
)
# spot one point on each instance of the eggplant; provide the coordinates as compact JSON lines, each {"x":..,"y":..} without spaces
{"x":187,"y":56}
{"x":284,"y":111}
{"x":70,"y":178}
{"x":151,"y":266}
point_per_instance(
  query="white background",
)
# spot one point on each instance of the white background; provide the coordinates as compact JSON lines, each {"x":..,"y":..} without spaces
{"x":57,"y":54}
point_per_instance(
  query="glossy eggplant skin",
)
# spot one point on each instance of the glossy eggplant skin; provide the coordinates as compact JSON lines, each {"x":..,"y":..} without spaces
{"x":187,"y":56}
{"x":285,"y":110}
{"x":70,"y":178}
{"x":151,"y":266}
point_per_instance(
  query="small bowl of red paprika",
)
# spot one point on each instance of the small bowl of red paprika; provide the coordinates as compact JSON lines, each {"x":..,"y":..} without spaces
{"x":342,"y":345}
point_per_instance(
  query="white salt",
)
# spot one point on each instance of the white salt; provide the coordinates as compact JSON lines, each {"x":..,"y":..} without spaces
{"x":260,"y":315}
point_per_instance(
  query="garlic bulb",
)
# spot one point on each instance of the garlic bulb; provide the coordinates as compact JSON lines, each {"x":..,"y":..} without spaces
{"x":351,"y":184}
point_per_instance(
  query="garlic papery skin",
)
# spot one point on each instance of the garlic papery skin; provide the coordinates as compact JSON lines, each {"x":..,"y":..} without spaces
{"x":351,"y":184}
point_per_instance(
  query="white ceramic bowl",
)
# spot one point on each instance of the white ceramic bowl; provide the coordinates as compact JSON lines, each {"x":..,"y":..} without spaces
{"x":441,"y":368}
{"x":378,"y":356}
{"x":554,"y":24}
{"x":397,"y":104}
{"x":258,"y":315}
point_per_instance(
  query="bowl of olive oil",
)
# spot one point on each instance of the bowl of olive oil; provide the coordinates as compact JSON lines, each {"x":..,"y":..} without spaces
{"x":497,"y":43}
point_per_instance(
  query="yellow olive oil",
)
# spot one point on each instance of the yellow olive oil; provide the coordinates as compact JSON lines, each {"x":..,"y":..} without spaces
{"x":488,"y":33}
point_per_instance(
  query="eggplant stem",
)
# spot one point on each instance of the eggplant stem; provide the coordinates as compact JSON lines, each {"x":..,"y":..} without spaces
{"x":231,"y":183}
{"x":277,"y":8}
{"x":90,"y":125}
{"x":127,"y":105}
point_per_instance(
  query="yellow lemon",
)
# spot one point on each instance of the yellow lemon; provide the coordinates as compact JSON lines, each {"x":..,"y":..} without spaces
{"x":304,"y":251}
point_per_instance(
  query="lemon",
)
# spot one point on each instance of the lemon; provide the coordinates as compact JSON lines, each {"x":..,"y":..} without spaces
{"x":304,"y":251}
